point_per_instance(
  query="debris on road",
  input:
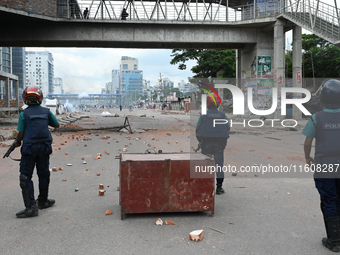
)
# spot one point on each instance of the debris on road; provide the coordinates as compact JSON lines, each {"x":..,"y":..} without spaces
{"x":159,"y":222}
{"x":60,"y":168}
{"x":76,"y":189}
{"x":196,"y":235}
{"x":108,"y":212}
{"x":54,"y":169}
{"x":101,"y":186}
{"x":219,"y":231}
{"x":101,"y":192}
{"x":98,"y":174}
{"x":169,"y":222}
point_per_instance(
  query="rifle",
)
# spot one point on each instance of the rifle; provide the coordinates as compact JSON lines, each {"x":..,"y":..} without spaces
{"x":198,"y":147}
{"x":9,"y":151}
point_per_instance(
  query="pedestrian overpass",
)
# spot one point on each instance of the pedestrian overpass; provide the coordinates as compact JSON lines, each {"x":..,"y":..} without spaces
{"x":254,"y":30}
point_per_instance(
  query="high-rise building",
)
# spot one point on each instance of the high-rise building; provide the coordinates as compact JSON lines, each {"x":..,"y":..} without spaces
{"x":128,"y":63}
{"x":131,"y":79}
{"x":40,"y":70}
{"x":167,"y":82}
{"x":19,"y":65}
{"x":58,"y":87}
{"x":115,"y":81}
{"x":108,"y":88}
{"x":5,"y":66}
{"x":184,"y":87}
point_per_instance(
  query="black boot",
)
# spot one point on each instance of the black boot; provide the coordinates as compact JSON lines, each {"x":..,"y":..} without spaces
{"x":31,"y":206}
{"x":43,"y":202}
{"x":30,"y":211}
{"x":219,"y":189}
{"x":332,"y":241}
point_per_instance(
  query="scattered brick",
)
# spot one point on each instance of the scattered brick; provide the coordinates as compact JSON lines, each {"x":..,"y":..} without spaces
{"x":159,"y":222}
{"x":169,"y":222}
{"x":196,"y":235}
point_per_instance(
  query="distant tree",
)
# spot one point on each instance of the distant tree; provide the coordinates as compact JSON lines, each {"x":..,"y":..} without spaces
{"x":209,"y":62}
{"x":318,"y":56}
{"x":178,"y":92}
{"x":289,"y":64}
{"x":167,"y":90}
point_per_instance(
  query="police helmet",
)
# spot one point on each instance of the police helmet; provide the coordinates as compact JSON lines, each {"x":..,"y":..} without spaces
{"x":330,"y":94}
{"x":32,"y":95}
{"x":211,"y":102}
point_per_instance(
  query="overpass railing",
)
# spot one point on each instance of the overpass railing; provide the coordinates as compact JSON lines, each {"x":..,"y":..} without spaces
{"x":315,"y":16}
{"x":174,"y":10}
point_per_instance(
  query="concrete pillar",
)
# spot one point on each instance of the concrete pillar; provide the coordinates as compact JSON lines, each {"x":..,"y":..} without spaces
{"x":297,"y":67}
{"x":238,"y":68}
{"x":279,"y":61}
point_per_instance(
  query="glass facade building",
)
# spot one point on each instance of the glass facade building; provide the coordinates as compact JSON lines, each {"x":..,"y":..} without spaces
{"x":5,"y":66}
{"x":133,"y":81}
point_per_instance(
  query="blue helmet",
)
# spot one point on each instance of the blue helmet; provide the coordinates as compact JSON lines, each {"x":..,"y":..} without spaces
{"x":330,"y":94}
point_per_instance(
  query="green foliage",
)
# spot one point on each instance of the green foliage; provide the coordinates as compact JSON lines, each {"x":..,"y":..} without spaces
{"x":178,"y":93}
{"x":210,"y":63}
{"x":318,"y":54}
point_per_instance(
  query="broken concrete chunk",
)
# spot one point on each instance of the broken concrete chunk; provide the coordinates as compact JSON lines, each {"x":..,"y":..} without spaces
{"x":196,"y":235}
{"x":159,"y":222}
{"x":169,"y":222}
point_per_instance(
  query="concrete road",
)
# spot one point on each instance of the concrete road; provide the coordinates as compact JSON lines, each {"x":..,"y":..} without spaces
{"x":258,"y":214}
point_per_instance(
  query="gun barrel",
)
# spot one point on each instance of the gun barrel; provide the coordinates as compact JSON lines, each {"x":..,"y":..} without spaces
{"x":9,"y":151}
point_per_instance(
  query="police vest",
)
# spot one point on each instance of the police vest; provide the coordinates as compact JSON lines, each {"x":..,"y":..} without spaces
{"x":36,"y":125}
{"x":207,"y":128}
{"x":327,"y":139}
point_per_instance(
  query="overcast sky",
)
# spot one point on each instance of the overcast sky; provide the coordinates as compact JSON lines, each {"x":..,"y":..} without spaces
{"x":89,"y":69}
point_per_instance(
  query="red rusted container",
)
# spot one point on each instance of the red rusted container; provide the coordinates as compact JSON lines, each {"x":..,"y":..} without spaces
{"x":153,"y":183}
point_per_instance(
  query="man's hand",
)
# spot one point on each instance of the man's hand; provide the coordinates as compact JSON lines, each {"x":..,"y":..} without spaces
{"x":309,"y":161}
{"x":17,"y":143}
{"x":307,"y":149}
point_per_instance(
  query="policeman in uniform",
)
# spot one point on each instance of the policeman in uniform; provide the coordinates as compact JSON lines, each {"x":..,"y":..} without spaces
{"x":214,"y":139}
{"x":35,"y":151}
{"x":324,"y":126}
